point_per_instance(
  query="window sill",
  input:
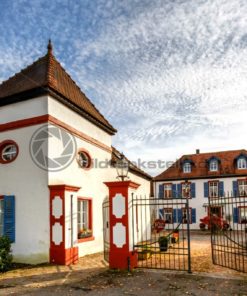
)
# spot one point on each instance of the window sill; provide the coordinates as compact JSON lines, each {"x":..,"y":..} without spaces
{"x":86,"y":239}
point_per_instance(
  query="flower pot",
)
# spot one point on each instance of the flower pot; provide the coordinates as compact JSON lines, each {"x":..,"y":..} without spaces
{"x":163,"y":243}
{"x":144,"y":255}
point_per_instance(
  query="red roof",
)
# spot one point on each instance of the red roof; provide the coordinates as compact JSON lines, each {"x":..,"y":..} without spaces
{"x":199,"y":162}
{"x":48,"y":75}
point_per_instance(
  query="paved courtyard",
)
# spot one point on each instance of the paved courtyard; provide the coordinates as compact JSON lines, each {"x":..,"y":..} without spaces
{"x":92,"y":277}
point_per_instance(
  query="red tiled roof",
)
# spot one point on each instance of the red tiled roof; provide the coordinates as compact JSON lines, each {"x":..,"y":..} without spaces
{"x":48,"y":73}
{"x":227,"y":166}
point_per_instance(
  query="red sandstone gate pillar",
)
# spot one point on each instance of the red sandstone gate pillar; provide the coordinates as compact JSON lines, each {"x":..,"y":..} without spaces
{"x":121,"y":255}
{"x":63,"y":236}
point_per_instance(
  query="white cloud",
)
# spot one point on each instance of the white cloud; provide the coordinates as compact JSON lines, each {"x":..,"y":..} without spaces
{"x":170,"y":75}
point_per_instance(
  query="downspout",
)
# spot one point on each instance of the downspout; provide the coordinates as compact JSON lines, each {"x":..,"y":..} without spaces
{"x":71,"y":220}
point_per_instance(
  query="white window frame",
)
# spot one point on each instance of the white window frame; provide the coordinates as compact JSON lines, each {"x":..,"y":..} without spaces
{"x":8,"y":156}
{"x":187,"y":167}
{"x":242,"y":163}
{"x":167,"y":190}
{"x":183,"y":190}
{"x":184,"y":215}
{"x":242,"y":214}
{"x":167,"y":212}
{"x":242,"y":187}
{"x":213,"y":165}
{"x":83,"y":214}
{"x":213,"y":188}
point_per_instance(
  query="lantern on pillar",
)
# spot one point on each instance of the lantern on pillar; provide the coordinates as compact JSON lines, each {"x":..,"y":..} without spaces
{"x":122,"y":166}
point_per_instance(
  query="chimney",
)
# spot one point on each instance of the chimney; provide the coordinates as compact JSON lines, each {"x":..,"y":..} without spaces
{"x":197,"y":151}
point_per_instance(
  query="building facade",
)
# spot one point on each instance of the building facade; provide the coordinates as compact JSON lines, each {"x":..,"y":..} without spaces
{"x":55,"y":156}
{"x":211,"y":175}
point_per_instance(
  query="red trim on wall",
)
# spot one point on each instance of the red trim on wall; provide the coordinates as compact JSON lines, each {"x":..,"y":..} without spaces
{"x":122,"y":184}
{"x":24,"y":123}
{"x":3,"y":145}
{"x":64,"y":187}
{"x":48,"y":118}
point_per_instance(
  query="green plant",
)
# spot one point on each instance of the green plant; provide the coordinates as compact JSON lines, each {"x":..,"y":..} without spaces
{"x":163,"y":242}
{"x":5,"y":254}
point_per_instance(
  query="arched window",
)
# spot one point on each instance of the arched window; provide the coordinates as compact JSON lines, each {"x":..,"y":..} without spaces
{"x":187,"y":167}
{"x":241,"y":163}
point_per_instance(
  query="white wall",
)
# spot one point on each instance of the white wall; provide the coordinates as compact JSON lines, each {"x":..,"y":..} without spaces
{"x":200,"y":202}
{"x":70,"y":117}
{"x":92,"y":185}
{"x":28,"y":183}
{"x":24,"y":110}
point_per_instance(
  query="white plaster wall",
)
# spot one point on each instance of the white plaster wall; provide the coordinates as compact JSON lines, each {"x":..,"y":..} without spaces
{"x":22,"y":110}
{"x":28,"y":183}
{"x":92,"y":185}
{"x":63,"y":113}
{"x":200,"y":202}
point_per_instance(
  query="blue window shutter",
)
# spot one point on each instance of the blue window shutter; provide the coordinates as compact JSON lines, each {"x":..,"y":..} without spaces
{"x":9,"y":217}
{"x":193,"y":190}
{"x":161,"y":214}
{"x":205,"y":189}
{"x":179,"y":191}
{"x":193,"y":215}
{"x":174,"y":216}
{"x":235,"y":215}
{"x":174,"y":190}
{"x":161,"y":191}
{"x":221,"y":189}
{"x":180,"y":216}
{"x":235,"y":188}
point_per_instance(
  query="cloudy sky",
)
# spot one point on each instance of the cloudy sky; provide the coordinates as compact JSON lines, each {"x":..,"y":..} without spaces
{"x":170,"y":75}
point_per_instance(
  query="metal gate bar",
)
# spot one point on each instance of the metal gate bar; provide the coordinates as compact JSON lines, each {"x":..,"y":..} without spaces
{"x":229,"y":232}
{"x":146,"y":212}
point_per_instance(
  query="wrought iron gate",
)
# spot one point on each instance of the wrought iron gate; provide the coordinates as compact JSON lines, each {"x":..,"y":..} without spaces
{"x":161,"y":232}
{"x":106,"y":229}
{"x":228,"y":223}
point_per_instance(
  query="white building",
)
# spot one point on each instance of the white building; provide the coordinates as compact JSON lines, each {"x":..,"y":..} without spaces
{"x":52,"y":176}
{"x":213,"y":175}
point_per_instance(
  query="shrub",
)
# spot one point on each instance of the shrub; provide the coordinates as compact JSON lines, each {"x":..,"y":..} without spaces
{"x":5,"y":254}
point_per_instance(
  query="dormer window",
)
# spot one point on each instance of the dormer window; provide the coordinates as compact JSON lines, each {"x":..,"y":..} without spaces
{"x":187,"y":167}
{"x":241,"y":163}
{"x":213,"y":165}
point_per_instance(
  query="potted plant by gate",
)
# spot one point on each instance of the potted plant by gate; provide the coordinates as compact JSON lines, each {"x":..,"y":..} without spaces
{"x":163,"y":243}
{"x":175,"y":236}
{"x":145,"y":253}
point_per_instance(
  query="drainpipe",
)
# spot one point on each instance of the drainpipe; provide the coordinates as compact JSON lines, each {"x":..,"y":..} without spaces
{"x":71,"y":220}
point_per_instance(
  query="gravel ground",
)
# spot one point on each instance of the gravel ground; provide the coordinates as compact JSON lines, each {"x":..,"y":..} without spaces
{"x":144,"y":283}
{"x":92,"y":277}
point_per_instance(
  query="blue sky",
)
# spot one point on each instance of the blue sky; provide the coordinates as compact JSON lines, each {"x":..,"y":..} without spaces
{"x":171,"y":76}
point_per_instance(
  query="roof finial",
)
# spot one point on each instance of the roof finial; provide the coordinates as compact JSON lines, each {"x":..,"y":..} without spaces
{"x":49,"y":46}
